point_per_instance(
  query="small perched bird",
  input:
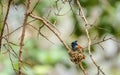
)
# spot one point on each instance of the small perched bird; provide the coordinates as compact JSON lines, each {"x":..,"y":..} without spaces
{"x":76,"y":47}
{"x":77,"y":53}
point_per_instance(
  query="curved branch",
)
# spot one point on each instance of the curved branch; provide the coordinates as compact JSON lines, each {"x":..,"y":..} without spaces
{"x":48,"y":24}
{"x":4,"y":22}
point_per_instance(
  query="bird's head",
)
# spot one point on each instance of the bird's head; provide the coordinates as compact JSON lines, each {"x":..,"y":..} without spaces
{"x":74,"y":44}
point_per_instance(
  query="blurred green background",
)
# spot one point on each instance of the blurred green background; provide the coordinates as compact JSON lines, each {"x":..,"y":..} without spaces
{"x":43,"y":57}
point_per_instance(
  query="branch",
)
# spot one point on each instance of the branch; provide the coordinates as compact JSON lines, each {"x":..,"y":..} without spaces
{"x":99,"y":42}
{"x":80,"y":65}
{"x":88,"y":36}
{"x":4,"y":22}
{"x":22,"y":38}
{"x":8,"y":44}
{"x":49,"y":25}
{"x":35,"y":6}
{"x":8,"y":50}
{"x":11,"y":32}
{"x":41,"y":33}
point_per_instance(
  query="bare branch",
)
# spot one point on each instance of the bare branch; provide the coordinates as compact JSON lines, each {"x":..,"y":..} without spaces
{"x":4,"y":22}
{"x":10,"y":58}
{"x":22,"y":38}
{"x":35,"y":6}
{"x":80,"y":65}
{"x":51,"y":28}
{"x":102,"y":41}
{"x":11,"y":32}
{"x":8,"y":44}
{"x":41,"y":33}
{"x":88,"y":36}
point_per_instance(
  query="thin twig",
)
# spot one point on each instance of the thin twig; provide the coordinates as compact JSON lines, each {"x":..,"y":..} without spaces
{"x":32,"y":20}
{"x":88,"y":36}
{"x":10,"y":58}
{"x":35,"y":6}
{"x":41,"y":33}
{"x":4,"y":22}
{"x":11,"y":32}
{"x":101,"y":46}
{"x":48,"y":24}
{"x":99,"y":42}
{"x":52,"y":25}
{"x":7,"y":30}
{"x":80,"y":66}
{"x":22,"y":38}
{"x":39,"y":30}
{"x":102,"y":41}
{"x":14,"y":53}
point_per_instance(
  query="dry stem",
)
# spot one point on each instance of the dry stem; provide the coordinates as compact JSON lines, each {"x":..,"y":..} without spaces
{"x":80,"y":65}
{"x":22,"y":38}
{"x":88,"y":36}
{"x":4,"y":22}
{"x":48,"y":24}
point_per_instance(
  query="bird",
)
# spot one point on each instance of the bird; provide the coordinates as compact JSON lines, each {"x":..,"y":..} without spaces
{"x":76,"y":47}
{"x":77,"y":53}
